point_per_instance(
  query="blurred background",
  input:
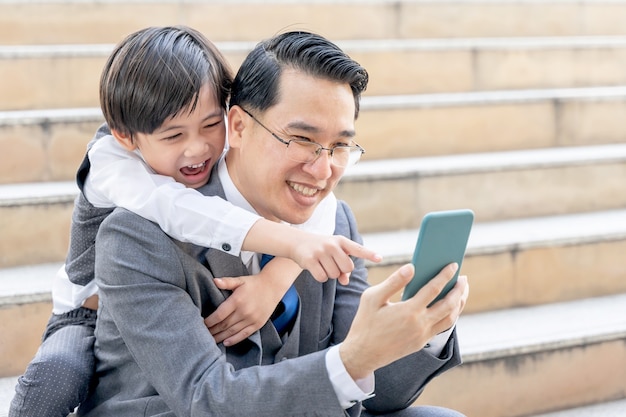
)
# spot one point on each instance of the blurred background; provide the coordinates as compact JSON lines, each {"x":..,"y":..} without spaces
{"x":514,"y":109}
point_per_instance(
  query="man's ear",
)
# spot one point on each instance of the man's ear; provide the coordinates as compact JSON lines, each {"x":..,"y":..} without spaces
{"x":236,"y":126}
{"x":125,"y":140}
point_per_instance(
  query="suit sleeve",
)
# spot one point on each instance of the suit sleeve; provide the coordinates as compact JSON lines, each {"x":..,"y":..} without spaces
{"x":348,"y":296}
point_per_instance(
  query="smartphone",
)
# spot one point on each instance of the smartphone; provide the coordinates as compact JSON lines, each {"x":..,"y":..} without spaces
{"x":442,"y":239}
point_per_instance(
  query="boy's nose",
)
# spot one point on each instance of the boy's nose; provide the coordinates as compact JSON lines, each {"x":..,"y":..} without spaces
{"x":197,"y":146}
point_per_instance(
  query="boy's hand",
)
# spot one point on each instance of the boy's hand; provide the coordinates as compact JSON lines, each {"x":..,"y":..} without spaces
{"x":251,"y":304}
{"x":323,"y":256}
{"x":329,"y":256}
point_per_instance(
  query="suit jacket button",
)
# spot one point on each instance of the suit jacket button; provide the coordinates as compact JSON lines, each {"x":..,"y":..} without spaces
{"x":226,"y":247}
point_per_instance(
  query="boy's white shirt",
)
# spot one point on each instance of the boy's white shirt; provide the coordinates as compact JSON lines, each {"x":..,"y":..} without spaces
{"x":183,"y":213}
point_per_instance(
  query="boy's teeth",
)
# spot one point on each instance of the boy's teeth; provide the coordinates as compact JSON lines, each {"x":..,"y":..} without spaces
{"x":196,"y":165}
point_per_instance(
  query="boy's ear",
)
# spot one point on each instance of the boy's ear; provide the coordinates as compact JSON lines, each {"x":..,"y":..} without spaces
{"x":236,"y":126}
{"x":125,"y":140}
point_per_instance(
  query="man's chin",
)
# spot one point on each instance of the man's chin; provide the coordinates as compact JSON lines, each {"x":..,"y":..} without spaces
{"x":299,"y":217}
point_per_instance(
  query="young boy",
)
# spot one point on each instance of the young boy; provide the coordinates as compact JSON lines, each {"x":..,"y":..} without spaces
{"x":163,"y":94}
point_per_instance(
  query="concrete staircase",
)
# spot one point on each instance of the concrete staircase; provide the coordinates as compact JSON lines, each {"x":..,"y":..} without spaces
{"x":513,"y":109}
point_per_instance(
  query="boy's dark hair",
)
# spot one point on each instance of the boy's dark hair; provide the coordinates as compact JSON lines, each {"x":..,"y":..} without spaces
{"x":157,"y":72}
{"x":256,"y":83}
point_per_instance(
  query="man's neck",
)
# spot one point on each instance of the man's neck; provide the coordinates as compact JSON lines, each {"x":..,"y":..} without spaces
{"x":230,"y":189}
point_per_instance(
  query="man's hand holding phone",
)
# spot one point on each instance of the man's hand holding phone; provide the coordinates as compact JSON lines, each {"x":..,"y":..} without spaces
{"x":384,"y":331}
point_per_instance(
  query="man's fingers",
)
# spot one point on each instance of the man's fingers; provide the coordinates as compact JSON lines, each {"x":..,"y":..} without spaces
{"x":392,"y":285}
{"x":434,"y":287}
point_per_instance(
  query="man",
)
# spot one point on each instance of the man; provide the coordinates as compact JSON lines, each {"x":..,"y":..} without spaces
{"x":291,"y":133}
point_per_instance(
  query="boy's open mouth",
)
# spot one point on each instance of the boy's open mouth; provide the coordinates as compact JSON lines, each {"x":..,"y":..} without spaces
{"x":193,"y":169}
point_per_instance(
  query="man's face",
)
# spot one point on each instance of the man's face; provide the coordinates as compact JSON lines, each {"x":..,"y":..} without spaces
{"x":308,"y":108}
{"x":186,"y":146}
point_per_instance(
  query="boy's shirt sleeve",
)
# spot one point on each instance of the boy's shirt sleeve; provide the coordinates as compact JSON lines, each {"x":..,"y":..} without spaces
{"x":121,"y":178}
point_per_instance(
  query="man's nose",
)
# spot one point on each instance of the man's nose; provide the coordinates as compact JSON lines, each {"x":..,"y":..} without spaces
{"x":321,"y":168}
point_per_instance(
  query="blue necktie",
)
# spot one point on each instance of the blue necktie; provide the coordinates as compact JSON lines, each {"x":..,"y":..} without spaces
{"x":287,"y":309}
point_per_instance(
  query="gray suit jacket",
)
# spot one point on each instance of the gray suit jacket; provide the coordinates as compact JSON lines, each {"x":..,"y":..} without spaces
{"x":155,"y":356}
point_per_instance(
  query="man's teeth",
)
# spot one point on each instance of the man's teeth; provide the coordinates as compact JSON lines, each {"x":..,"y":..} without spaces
{"x":304,"y":190}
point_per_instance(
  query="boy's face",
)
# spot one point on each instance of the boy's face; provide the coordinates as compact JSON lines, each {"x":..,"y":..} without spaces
{"x":310,"y":108}
{"x":187,"y":146}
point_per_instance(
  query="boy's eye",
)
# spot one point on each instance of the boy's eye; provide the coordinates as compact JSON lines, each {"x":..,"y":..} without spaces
{"x":173,"y":137}
{"x":213,"y":124}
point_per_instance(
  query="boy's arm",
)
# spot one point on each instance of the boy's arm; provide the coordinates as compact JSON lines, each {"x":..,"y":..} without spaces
{"x":121,"y":178}
{"x":323,"y":256}
{"x":188,"y":216}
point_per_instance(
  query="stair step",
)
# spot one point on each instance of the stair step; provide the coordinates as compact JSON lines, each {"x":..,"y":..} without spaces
{"x":52,"y":142}
{"x":35,"y":222}
{"x":537,"y":358}
{"x":534,"y":182}
{"x":485,"y":121}
{"x":107,"y":21}
{"x":27,"y":284}
{"x":7,"y":390}
{"x":607,"y":409}
{"x":56,"y":76}
{"x":511,"y":235}
{"x":25,"y":307}
{"x":45,"y":145}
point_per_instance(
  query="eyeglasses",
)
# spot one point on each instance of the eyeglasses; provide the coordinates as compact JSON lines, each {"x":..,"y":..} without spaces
{"x":300,"y":150}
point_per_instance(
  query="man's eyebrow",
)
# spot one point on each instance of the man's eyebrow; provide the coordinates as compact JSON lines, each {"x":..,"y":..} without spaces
{"x":300,"y":125}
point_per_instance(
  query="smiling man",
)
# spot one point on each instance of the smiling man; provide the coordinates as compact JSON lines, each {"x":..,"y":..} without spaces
{"x":298,"y":154}
{"x":346,"y":350}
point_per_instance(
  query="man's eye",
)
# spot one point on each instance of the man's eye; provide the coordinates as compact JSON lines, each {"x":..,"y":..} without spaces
{"x":341,"y":145}
{"x":300,"y":139}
